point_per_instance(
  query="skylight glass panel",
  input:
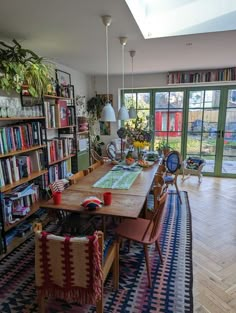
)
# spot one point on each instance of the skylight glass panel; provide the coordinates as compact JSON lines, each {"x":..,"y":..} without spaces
{"x":165,"y":18}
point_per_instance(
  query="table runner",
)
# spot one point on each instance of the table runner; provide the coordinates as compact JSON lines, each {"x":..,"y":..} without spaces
{"x":119,"y":178}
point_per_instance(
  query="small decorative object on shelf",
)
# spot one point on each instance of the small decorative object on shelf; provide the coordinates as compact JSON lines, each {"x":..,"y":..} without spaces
{"x":202,"y":76}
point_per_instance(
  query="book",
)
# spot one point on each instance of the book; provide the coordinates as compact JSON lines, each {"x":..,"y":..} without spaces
{"x":20,"y":191}
{"x":62,"y":113}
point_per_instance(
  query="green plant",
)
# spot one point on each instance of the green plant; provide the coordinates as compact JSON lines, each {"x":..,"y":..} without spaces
{"x":94,"y":107}
{"x":97,"y":144}
{"x":20,"y":66}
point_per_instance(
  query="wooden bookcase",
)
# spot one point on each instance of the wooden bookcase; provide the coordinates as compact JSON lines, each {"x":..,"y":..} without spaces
{"x":202,"y":76}
{"x":22,"y":162}
{"x":43,"y":137}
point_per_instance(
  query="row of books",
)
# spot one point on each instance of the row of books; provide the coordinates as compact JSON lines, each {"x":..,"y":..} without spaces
{"x":17,"y":204}
{"x":59,"y":171}
{"x":20,"y":137}
{"x":58,"y":148}
{"x":58,"y":114}
{"x":14,"y":168}
{"x":227,"y":74}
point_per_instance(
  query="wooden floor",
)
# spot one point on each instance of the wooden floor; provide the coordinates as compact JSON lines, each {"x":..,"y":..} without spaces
{"x":213,"y":207}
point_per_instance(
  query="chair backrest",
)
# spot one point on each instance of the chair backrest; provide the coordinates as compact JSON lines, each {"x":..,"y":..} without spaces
{"x":153,"y":229}
{"x":161,"y":169}
{"x":95,"y":156}
{"x":94,"y":166}
{"x":68,"y":268}
{"x":76,"y":177}
{"x":173,"y":161}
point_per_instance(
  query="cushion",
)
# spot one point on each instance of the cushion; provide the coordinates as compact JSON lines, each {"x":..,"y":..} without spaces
{"x":92,"y":203}
{"x":194,"y":163}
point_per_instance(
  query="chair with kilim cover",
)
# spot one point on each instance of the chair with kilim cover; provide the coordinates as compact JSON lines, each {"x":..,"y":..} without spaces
{"x":74,"y":268}
{"x":146,"y":231}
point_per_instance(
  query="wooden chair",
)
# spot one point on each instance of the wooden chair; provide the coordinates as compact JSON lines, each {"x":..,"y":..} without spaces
{"x":96,"y":157}
{"x":95,"y":165}
{"x":146,"y":231}
{"x":173,"y":165}
{"x":77,"y":176}
{"x":161,"y":169}
{"x":74,"y":269}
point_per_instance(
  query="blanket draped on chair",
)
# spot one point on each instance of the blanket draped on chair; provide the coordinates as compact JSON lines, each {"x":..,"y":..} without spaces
{"x":68,"y":268}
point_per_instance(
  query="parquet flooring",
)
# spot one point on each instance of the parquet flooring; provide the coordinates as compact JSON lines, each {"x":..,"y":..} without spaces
{"x":213,"y":207}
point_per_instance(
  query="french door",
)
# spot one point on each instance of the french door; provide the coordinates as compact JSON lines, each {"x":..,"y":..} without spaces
{"x":211,"y":130}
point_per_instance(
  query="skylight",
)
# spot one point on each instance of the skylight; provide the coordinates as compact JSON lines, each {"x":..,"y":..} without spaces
{"x":165,"y":18}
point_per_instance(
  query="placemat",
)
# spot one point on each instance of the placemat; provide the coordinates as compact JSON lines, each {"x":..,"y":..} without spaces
{"x":118,"y":178}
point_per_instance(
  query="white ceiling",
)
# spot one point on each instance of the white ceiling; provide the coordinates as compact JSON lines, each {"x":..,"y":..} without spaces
{"x":72,"y":33}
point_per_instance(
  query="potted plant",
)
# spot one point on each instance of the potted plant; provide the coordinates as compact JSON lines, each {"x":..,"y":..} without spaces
{"x":96,"y":144}
{"x":163,"y":147}
{"x":19,"y":66}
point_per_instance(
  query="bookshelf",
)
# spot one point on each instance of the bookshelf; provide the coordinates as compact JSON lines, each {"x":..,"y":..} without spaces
{"x":23,"y":161}
{"x":202,"y":76}
{"x":60,"y":118}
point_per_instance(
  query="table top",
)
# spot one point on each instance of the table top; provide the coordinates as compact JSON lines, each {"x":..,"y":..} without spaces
{"x":122,"y":206}
{"x":125,"y":203}
{"x":141,"y":186}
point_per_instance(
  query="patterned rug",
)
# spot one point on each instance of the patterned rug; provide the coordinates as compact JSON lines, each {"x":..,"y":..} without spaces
{"x":172,"y":281}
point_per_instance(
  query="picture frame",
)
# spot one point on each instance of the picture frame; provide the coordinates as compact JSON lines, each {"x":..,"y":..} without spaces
{"x":105,"y":128}
{"x":63,"y":78}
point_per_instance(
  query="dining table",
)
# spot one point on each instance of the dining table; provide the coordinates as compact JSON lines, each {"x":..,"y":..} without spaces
{"x":128,"y":202}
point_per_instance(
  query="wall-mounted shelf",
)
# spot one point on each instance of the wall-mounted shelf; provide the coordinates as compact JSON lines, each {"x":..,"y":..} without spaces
{"x":202,"y":76}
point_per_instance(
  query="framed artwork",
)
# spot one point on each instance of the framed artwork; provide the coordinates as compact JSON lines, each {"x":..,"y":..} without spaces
{"x":63,"y":78}
{"x":105,"y":128}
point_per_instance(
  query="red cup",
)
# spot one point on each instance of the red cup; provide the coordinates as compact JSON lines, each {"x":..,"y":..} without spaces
{"x":107,"y":198}
{"x":57,"y":197}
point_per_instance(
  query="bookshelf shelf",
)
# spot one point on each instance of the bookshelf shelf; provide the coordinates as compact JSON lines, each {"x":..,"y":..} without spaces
{"x":56,"y":97}
{"x":202,"y":76}
{"x":22,"y":151}
{"x":33,"y":209}
{"x":23,"y":180}
{"x":22,"y":118}
{"x":69,"y":126}
{"x":63,"y":159}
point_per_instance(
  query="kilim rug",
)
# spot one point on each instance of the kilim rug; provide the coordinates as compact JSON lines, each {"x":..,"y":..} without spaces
{"x":172,"y":281}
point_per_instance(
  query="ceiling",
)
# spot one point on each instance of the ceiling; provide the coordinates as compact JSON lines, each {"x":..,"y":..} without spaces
{"x":72,"y":33}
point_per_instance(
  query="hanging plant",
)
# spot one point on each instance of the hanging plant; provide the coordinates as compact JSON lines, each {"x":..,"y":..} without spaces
{"x":19,"y":66}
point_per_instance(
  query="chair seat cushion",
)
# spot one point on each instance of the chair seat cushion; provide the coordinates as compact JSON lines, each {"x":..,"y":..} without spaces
{"x":168,"y":179}
{"x":194,"y":163}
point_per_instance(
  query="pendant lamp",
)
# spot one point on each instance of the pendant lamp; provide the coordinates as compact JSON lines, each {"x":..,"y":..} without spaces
{"x":132,"y":111}
{"x":108,"y":113}
{"x":123,"y":112}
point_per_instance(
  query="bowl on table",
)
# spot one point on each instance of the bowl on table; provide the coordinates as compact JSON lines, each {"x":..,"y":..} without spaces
{"x":129,"y":161}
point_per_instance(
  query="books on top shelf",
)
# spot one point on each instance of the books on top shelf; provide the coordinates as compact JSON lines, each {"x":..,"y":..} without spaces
{"x":58,"y":114}
{"x":202,"y":76}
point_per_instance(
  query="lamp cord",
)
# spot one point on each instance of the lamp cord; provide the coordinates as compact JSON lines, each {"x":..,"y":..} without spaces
{"x":132,"y":81}
{"x":123,"y":74}
{"x":107,"y":64}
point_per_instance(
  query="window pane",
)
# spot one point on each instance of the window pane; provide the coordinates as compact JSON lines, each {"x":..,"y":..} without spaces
{"x":161,"y":100}
{"x":143,"y":101}
{"x":130,"y":99}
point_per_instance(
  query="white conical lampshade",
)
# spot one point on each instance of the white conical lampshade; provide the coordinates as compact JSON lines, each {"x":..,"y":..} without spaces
{"x":123,"y":114}
{"x":108,"y":113}
{"x":132,"y":112}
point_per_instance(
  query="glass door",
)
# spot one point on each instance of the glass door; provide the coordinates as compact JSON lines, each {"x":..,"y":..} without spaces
{"x":211,"y":131}
{"x":203,"y":130}
{"x":228,"y":134}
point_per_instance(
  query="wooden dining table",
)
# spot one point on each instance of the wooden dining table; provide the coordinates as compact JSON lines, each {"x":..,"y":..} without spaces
{"x":125,"y":202}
